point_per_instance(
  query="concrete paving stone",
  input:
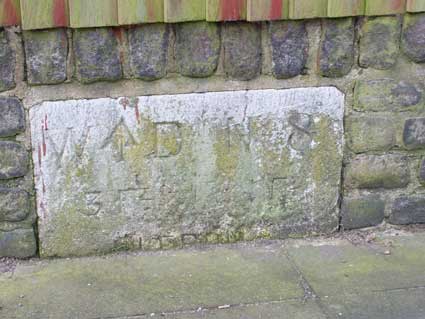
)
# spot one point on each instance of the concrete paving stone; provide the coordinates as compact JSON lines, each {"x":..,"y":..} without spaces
{"x":123,"y":285}
{"x":292,"y":309}
{"x":396,"y":304}
{"x":339,"y":268}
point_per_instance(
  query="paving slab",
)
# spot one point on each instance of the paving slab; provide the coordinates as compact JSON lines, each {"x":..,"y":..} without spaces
{"x":395,"y":304}
{"x":314,"y":279}
{"x":293,"y":309}
{"x":337,"y":267}
{"x":120,"y":285}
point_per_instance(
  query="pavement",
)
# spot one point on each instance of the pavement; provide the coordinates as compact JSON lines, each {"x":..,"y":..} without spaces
{"x":376,"y":274}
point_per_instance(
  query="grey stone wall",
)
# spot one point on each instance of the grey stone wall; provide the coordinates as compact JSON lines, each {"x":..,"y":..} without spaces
{"x":376,"y":62}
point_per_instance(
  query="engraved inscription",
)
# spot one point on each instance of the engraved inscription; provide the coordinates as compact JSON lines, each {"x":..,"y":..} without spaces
{"x":162,"y":171}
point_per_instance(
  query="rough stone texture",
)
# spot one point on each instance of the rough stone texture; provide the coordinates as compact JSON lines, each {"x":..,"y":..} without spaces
{"x":337,"y":47}
{"x":7,"y":64}
{"x":422,"y":172}
{"x":148,"y":46}
{"x":13,"y":160}
{"x":362,"y":212}
{"x":387,"y":95}
{"x":12,"y":118}
{"x":197,"y":48}
{"x":242,"y":50}
{"x":14,"y":205}
{"x":289,"y":45}
{"x":414,"y":133}
{"x":408,"y":210}
{"x":413,"y":37}
{"x":379,"y":42}
{"x":97,"y":57}
{"x":148,"y":172}
{"x":46,"y":54}
{"x":370,"y":133}
{"x":373,"y":171}
{"x":19,"y":243}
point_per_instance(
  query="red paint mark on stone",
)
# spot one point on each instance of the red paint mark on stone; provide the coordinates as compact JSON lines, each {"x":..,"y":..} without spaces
{"x":60,"y":13}
{"x":231,"y":9}
{"x":397,"y":4}
{"x":44,"y":141}
{"x":276,"y":10}
{"x":39,"y":155}
{"x":118,"y":33}
{"x":150,"y":10}
{"x":42,"y":209}
{"x":136,"y":108}
{"x":10,"y":14}
{"x":125,"y":102}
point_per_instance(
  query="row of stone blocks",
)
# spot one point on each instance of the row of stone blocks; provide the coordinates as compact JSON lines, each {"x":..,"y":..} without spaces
{"x":385,"y":175}
{"x":105,"y":54}
{"x":16,"y":209}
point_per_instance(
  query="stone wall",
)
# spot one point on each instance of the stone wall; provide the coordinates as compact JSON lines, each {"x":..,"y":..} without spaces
{"x":375,"y":62}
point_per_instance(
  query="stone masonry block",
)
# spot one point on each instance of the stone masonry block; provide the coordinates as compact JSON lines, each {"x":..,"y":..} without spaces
{"x":12,"y":118}
{"x":408,"y":210}
{"x":370,"y":133}
{"x":46,"y":56}
{"x":242,"y":50}
{"x":414,"y":133}
{"x":13,"y":160}
{"x":373,"y":171}
{"x":7,"y":64}
{"x":413,"y":37}
{"x":379,"y":42}
{"x":19,"y":243}
{"x":337,"y":47}
{"x":148,"y":46}
{"x":14,"y":205}
{"x":197,"y":48}
{"x":362,"y":212}
{"x":214,"y":165}
{"x":289,"y":44}
{"x":97,"y":55}
{"x":387,"y":95}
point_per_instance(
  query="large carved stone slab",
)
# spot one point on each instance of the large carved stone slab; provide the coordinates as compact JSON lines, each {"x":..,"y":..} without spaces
{"x":162,"y":171}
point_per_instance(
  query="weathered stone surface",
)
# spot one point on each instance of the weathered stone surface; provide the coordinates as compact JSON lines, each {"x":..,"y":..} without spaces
{"x":289,"y":45}
{"x":387,"y":95}
{"x":97,"y":57}
{"x":379,"y":43}
{"x":46,"y":53}
{"x":14,"y":205}
{"x":362,"y":212}
{"x":422,"y":172}
{"x":13,"y":160}
{"x":337,"y":47}
{"x":242,"y":50}
{"x":370,"y":133}
{"x":18,"y":243}
{"x":12,"y":119}
{"x":413,"y":37}
{"x":142,"y":172}
{"x":7,"y":64}
{"x":414,"y":133}
{"x":408,"y":210}
{"x":148,"y":45}
{"x":372,"y":171}
{"x":197,"y":48}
